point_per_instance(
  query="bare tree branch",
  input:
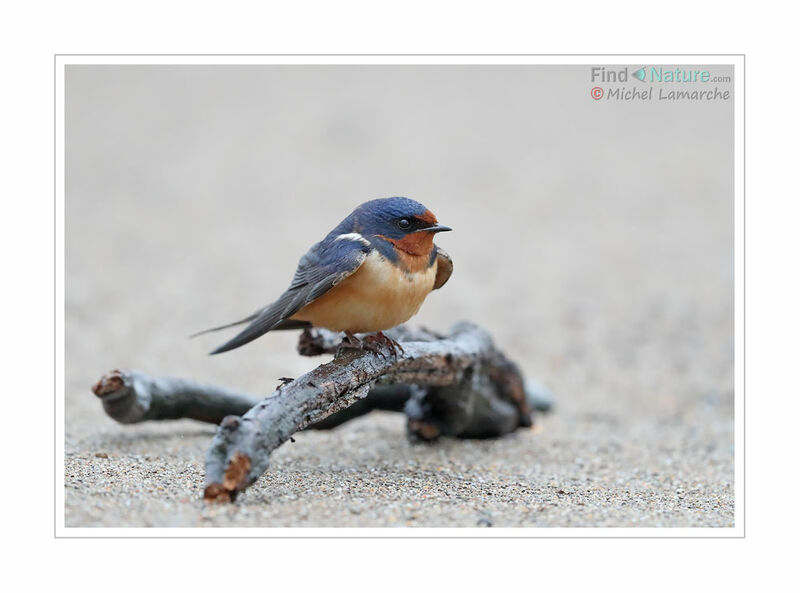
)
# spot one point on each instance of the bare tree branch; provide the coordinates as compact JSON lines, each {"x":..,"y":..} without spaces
{"x":448,"y":386}
{"x":466,"y":364}
{"x":132,"y":396}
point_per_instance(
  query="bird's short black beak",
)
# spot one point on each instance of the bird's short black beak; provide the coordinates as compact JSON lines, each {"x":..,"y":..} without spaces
{"x":436,"y":228}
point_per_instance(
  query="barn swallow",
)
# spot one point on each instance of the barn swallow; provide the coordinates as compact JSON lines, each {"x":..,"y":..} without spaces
{"x":371,"y":273}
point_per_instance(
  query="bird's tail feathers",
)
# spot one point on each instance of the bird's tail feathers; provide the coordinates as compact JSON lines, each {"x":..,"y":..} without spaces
{"x":261,"y":325}
{"x":227,"y":325}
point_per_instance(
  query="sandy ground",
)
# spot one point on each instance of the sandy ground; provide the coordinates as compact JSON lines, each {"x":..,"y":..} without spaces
{"x":593,"y":239}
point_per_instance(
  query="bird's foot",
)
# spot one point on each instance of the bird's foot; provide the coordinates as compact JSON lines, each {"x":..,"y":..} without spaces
{"x":377,"y":342}
{"x":350,"y":342}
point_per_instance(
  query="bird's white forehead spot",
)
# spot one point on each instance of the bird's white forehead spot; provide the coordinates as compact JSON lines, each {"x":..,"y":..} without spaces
{"x":352,"y":237}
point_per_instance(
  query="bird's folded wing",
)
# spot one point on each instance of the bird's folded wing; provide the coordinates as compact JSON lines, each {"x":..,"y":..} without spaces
{"x":319,"y":270}
{"x":444,"y":268}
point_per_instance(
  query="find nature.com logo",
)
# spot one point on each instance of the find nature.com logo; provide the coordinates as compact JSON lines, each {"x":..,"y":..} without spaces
{"x":652,"y":75}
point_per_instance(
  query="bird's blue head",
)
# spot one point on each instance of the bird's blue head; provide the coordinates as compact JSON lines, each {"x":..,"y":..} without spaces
{"x":406,"y":224}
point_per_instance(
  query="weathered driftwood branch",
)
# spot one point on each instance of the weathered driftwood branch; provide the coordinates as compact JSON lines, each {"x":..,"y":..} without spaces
{"x":456,"y":386}
{"x":132,"y":396}
{"x":463,"y":372}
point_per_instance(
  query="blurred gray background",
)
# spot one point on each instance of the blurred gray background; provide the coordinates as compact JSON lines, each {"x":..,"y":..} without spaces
{"x":594,"y":239}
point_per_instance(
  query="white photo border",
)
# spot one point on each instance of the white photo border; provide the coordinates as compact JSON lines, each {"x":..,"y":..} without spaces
{"x":735,"y":60}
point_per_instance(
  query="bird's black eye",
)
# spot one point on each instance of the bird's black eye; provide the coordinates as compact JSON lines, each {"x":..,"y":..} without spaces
{"x":404,"y":223}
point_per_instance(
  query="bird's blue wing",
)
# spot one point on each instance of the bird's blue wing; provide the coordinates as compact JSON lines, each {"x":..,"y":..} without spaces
{"x":323,"y":267}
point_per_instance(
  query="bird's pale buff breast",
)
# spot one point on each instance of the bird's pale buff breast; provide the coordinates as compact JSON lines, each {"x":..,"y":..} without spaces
{"x":378,"y":296}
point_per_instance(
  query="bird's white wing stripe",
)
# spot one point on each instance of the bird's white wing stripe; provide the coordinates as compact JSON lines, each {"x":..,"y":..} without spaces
{"x":352,"y":237}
